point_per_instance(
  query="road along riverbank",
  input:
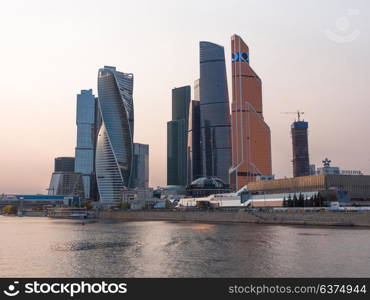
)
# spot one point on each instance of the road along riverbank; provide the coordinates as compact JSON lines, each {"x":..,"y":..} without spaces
{"x":324,"y":218}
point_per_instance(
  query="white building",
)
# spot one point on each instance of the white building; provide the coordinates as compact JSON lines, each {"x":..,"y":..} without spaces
{"x":327,"y":169}
{"x":217,"y":200}
{"x":351,"y":172}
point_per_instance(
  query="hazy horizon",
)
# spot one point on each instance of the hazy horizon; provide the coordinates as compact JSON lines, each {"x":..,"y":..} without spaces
{"x":311,"y":55}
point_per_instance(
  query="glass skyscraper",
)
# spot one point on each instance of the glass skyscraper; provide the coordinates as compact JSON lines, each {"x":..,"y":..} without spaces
{"x":87,"y":126}
{"x":114,"y":150}
{"x":177,"y":132}
{"x":194,"y":150}
{"x":251,"y":141}
{"x":140,"y":166}
{"x":214,"y":112}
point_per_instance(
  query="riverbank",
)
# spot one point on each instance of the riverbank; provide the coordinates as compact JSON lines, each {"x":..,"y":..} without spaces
{"x":321,"y":218}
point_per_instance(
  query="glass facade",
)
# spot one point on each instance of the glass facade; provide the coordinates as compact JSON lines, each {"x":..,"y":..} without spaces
{"x":176,"y":150}
{"x":196,"y":90}
{"x":114,"y":150}
{"x":194,"y":149}
{"x":214,"y":112}
{"x":66,"y":184}
{"x":64,"y":164}
{"x":86,"y":121}
{"x":140,"y":166}
{"x":177,"y":132}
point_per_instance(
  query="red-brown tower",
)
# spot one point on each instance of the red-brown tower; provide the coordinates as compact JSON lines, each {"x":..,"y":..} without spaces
{"x":251,"y":139}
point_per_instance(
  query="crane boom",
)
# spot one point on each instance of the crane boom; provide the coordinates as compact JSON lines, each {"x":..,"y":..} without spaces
{"x":298,"y":113}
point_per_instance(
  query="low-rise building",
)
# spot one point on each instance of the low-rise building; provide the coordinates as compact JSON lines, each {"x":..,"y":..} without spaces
{"x":205,"y":186}
{"x":327,"y":169}
{"x":355,"y":188}
{"x":217,"y":200}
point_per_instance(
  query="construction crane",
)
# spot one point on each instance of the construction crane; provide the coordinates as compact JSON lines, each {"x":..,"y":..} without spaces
{"x":298,"y":113}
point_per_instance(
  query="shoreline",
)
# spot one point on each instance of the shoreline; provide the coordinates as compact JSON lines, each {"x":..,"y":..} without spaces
{"x":339,"y":219}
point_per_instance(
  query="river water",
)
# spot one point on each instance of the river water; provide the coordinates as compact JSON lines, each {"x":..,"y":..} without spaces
{"x":42,"y":247}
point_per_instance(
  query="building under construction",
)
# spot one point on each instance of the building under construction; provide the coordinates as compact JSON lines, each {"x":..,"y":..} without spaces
{"x":301,"y":161}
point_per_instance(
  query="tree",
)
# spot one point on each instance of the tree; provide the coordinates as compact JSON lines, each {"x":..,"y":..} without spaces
{"x":316,"y":201}
{"x":203,"y":204}
{"x":285,"y":202}
{"x":87,"y":205}
{"x":301,"y":200}
{"x":10,"y":209}
{"x":168,"y":204}
{"x":290,"y":202}
{"x":295,"y":200}
{"x":321,"y":200}
{"x":309,"y":202}
{"x":124,"y":205}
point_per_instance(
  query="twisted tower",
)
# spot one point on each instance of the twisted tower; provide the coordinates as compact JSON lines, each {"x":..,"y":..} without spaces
{"x":114,"y":150}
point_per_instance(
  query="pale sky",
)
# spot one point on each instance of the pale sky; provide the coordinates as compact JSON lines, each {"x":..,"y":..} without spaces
{"x":311,"y":55}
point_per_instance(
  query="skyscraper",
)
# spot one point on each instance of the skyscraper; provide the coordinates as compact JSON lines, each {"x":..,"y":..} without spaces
{"x":194,"y":169}
{"x":177,"y":132}
{"x":214,"y":112}
{"x":194,"y":153}
{"x":251,"y":141}
{"x":196,"y":90}
{"x":140,"y":166}
{"x":114,"y":150}
{"x":64,"y":164}
{"x":301,"y":162}
{"x":87,"y":126}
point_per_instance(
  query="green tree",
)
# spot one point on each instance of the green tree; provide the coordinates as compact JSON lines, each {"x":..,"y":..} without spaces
{"x":290,"y":201}
{"x":301,"y":200}
{"x":321,"y":200}
{"x":295,"y":200}
{"x":168,"y":204}
{"x":124,"y":205}
{"x":316,"y":201}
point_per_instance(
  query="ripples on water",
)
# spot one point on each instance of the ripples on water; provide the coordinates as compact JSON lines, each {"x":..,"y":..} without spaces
{"x":41,"y":247}
{"x":85,"y":245}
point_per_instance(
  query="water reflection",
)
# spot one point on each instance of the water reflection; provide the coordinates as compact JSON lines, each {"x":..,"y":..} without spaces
{"x":63,"y":248}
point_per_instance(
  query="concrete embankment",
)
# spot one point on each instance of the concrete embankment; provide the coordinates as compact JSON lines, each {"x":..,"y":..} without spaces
{"x":325,"y":218}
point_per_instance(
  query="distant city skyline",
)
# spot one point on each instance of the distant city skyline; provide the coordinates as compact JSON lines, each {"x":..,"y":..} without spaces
{"x":311,"y":56}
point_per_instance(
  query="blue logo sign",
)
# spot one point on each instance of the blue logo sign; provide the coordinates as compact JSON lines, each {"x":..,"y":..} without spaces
{"x":240,"y":56}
